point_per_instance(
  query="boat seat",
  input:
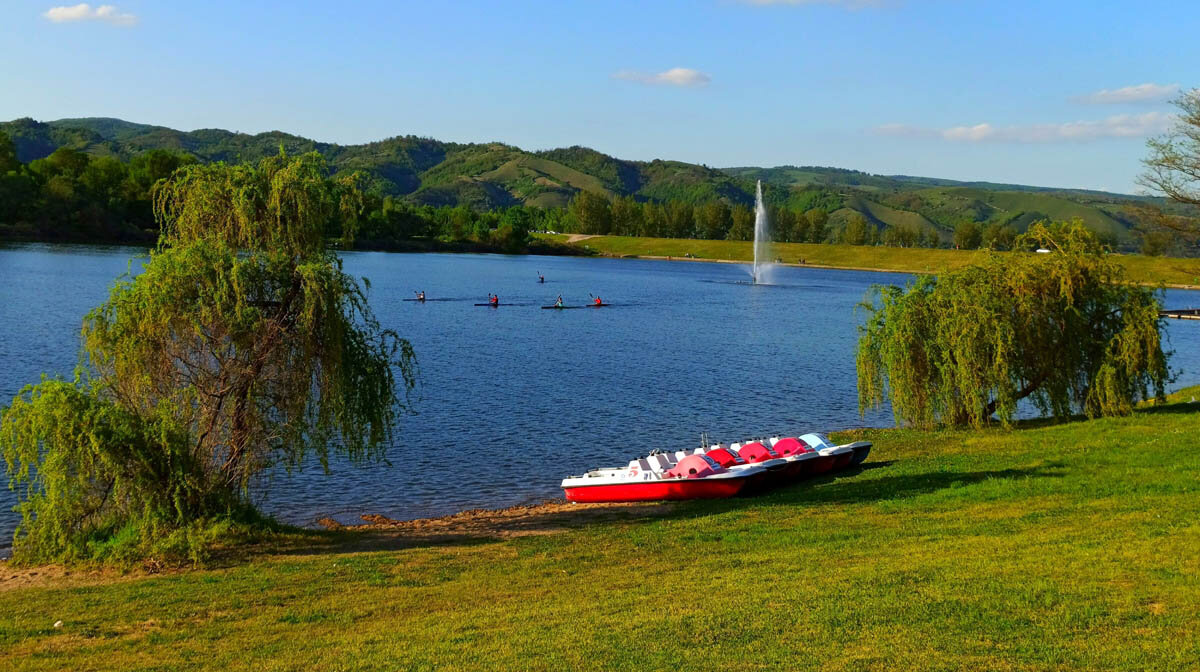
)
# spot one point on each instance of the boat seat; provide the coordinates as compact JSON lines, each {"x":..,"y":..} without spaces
{"x":661,"y":462}
{"x":816,"y":441}
{"x":790,"y":446}
{"x":694,"y":466}
{"x":755,"y":452}
{"x":723,"y":456}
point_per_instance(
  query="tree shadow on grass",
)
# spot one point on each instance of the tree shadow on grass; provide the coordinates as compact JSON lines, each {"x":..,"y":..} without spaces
{"x":1180,"y":408}
{"x":488,"y":526}
{"x":1142,"y":408}
{"x":832,"y":490}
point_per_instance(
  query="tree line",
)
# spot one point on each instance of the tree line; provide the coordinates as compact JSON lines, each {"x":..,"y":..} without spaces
{"x":72,"y":196}
{"x":597,"y":214}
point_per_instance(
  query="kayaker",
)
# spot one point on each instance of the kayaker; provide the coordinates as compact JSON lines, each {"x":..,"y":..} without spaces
{"x":421,"y":296}
{"x":494,"y":300}
{"x":598,"y":302}
{"x":541,"y":278}
{"x":558,"y":302}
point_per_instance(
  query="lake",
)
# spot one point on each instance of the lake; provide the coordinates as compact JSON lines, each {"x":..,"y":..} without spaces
{"x":512,"y":399}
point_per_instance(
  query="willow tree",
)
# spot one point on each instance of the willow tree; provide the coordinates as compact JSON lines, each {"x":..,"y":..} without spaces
{"x":1063,"y":329}
{"x":243,"y":346}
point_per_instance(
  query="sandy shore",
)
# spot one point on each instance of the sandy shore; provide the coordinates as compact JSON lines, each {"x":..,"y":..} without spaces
{"x":548,"y":517}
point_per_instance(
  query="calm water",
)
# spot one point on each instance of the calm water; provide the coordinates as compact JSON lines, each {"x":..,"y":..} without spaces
{"x":512,"y":399}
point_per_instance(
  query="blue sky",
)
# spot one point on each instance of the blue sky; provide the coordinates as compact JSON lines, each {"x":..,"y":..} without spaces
{"x":1056,"y":93}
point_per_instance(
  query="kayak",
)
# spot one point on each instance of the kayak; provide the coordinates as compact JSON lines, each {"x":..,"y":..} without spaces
{"x":493,"y":304}
{"x":421,"y":300}
{"x":598,"y":305}
{"x":560,"y":307}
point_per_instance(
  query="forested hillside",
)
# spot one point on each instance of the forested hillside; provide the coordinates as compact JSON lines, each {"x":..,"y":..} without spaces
{"x":413,"y":172}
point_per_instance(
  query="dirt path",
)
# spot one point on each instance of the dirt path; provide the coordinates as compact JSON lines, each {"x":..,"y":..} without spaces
{"x":576,"y":237}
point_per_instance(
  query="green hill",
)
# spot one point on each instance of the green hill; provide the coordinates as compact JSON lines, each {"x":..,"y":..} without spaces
{"x":490,"y":175}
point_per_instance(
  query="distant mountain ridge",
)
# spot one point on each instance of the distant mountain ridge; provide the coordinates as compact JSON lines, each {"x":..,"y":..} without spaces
{"x":490,"y":175}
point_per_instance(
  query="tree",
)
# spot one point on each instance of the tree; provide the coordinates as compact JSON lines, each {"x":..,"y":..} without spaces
{"x":858,"y":231}
{"x":1064,"y":329}
{"x":713,"y":220}
{"x":742,"y":227}
{"x":783,"y":225}
{"x":998,"y":236}
{"x":627,"y":217}
{"x":801,"y":233}
{"x":681,"y":220}
{"x":902,"y":235}
{"x":818,"y":225}
{"x":593,"y":212}
{"x":654,"y":216}
{"x":1173,"y":167}
{"x":8,"y":155}
{"x":1156,"y":243}
{"x":17,"y":187}
{"x":242,"y":347}
{"x":967,"y":235}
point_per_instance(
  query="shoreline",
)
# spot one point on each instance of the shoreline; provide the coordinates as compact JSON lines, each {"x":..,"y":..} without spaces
{"x":866,"y":269}
{"x":573,"y":243}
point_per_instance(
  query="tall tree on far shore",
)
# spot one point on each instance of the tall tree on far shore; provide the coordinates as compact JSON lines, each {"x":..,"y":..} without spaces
{"x":593,"y":212}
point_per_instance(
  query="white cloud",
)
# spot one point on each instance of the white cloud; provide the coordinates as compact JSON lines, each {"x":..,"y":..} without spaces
{"x":85,"y":12}
{"x":1141,"y":93}
{"x":672,"y":77}
{"x":1118,"y":126}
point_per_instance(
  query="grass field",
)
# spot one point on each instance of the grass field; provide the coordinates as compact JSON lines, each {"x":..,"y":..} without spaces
{"x":1150,"y":270}
{"x":1051,"y":547}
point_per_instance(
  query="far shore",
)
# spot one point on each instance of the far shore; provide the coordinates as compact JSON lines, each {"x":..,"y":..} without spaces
{"x":1169,"y":272}
{"x":867,"y":269}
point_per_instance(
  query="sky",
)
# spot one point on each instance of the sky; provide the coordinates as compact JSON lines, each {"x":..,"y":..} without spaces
{"x":1054,"y":93}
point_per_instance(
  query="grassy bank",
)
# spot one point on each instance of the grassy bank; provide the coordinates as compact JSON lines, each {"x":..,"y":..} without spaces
{"x":1150,"y":270}
{"x":1050,"y":547}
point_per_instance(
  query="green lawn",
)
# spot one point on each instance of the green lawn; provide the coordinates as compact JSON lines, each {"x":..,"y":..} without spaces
{"x":1150,"y":270}
{"x":1050,"y":547}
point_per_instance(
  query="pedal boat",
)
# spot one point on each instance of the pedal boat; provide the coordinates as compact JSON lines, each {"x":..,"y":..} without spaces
{"x":662,"y":477}
{"x":847,"y":455}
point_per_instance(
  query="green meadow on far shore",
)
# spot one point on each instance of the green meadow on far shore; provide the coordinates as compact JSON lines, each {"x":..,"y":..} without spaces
{"x":1048,"y":547}
{"x":1169,"y":271}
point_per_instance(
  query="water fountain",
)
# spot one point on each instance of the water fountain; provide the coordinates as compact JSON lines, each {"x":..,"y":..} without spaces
{"x":761,"y":239}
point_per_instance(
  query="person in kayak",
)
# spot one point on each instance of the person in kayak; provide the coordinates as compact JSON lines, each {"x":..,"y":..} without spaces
{"x":494,"y":300}
{"x":421,"y":296}
{"x":558,"y":302}
{"x":541,"y":278}
{"x":597,"y":301}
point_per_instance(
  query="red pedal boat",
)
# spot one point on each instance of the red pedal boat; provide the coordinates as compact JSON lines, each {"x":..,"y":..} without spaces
{"x":716,"y":471}
{"x":659,"y":477}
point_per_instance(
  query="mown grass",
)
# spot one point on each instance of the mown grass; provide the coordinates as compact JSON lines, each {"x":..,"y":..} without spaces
{"x":1051,"y":547}
{"x":1149,"y":270}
